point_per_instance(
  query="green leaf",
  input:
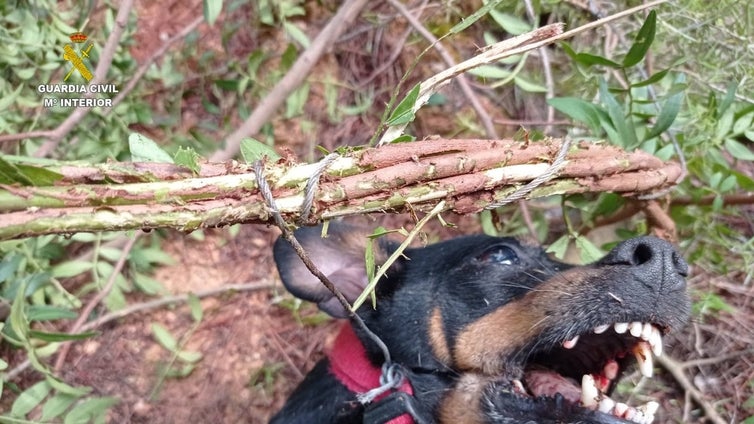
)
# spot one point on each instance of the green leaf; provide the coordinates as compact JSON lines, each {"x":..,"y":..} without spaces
{"x":188,"y":158}
{"x":730,"y":96}
{"x":405,"y":138}
{"x":49,"y":313}
{"x":743,"y":123}
{"x":144,"y":149}
{"x":296,"y":34}
{"x":738,"y":150}
{"x":18,"y":321}
{"x":587,"y":59}
{"x":10,"y":98}
{"x":195,"y":305}
{"x":490,"y":72}
{"x":588,"y":252}
{"x":404,"y":112}
{"x":652,"y":79}
{"x":10,"y":174}
{"x":625,"y":132}
{"x":70,"y":269}
{"x":511,"y":24}
{"x":529,"y":86}
{"x":9,"y":265}
{"x":212,"y":9}
{"x":724,"y":124}
{"x":56,"y":405}
{"x":163,"y":336}
{"x":559,"y":247}
{"x":728,"y":183}
{"x":667,"y":115}
{"x":30,"y":399}
{"x":62,"y":387}
{"x":39,"y":176}
{"x":147,"y":284}
{"x":59,"y":337}
{"x":93,"y":409}
{"x":296,"y":101}
{"x":642,"y":42}
{"x":469,"y":20}
{"x":253,"y":150}
{"x":189,"y":356}
{"x":744,"y":181}
{"x":578,"y":110}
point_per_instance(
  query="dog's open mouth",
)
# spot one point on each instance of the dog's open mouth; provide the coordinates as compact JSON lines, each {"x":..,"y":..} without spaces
{"x":586,"y":368}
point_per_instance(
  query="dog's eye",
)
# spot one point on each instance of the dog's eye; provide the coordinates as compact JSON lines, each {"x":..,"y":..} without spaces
{"x":503,"y":255}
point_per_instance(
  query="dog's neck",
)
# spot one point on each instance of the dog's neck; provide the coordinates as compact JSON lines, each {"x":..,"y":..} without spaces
{"x":351,"y":366}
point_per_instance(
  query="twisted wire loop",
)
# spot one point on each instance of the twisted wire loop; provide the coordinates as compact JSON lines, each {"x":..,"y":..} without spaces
{"x":311,"y":187}
{"x":549,"y":174}
{"x":392,"y":374}
{"x":392,"y":377}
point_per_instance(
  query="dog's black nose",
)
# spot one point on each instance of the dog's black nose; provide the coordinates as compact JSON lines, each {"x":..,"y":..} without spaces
{"x":656,"y":262}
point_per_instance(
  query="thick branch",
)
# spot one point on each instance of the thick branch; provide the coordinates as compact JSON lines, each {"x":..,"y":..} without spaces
{"x":467,"y":174}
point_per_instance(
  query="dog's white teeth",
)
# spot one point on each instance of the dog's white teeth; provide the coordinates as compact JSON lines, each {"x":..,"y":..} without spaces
{"x":646,"y":331}
{"x":601,"y":328}
{"x":589,"y":393}
{"x":606,"y":405}
{"x":519,"y":386}
{"x":620,"y":409}
{"x":655,"y":340}
{"x":643,"y":354}
{"x":611,"y":369}
{"x":621,"y":327}
{"x":649,"y":408}
{"x":638,"y":417}
{"x":635,"y":328}
{"x":569,"y":344}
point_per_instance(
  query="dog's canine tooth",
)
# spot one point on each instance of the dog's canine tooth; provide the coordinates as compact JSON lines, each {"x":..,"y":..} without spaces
{"x":643,"y":355}
{"x":601,"y":328}
{"x":635,"y":328}
{"x":621,"y":327}
{"x":519,"y":386}
{"x":655,"y":340}
{"x":606,"y":405}
{"x":569,"y":344}
{"x":646,"y":331}
{"x":589,"y":392}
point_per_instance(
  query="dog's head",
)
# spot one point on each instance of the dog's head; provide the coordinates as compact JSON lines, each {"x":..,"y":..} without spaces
{"x":505,"y":312}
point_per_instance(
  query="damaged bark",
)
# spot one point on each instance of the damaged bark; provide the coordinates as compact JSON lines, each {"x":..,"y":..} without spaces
{"x":468,"y":174}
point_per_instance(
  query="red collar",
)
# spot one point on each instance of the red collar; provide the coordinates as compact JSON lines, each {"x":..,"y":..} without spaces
{"x":350,"y":365}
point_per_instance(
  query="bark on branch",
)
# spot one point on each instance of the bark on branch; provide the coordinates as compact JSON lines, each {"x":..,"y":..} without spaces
{"x":467,"y":174}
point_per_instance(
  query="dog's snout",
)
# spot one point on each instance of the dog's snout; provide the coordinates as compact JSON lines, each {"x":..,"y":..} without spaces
{"x":656,"y":262}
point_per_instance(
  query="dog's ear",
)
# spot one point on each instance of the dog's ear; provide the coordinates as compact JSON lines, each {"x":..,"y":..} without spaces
{"x":340,"y":256}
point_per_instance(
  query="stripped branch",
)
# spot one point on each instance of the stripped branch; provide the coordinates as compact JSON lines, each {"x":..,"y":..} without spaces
{"x":467,"y":174}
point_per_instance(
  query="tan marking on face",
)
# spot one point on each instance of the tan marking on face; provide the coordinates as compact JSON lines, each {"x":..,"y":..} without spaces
{"x":484,"y":344}
{"x":437,"y":337}
{"x":464,"y":403}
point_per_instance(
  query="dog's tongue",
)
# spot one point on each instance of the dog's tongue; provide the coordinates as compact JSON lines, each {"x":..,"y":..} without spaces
{"x":542,"y":382}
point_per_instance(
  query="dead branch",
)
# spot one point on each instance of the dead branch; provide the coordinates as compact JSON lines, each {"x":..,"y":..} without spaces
{"x":467,"y":174}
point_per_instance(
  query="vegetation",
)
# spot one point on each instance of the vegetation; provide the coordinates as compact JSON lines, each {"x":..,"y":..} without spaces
{"x":674,"y":82}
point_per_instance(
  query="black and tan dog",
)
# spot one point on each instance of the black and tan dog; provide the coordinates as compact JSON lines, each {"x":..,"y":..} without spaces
{"x":488,"y":330}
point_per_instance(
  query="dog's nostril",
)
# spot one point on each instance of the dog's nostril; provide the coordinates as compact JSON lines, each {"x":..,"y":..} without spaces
{"x":642,"y":254}
{"x":680,"y":265}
